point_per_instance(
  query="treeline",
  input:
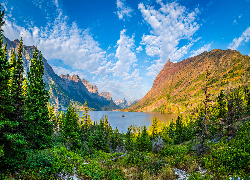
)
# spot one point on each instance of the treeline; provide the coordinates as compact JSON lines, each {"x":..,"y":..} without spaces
{"x":24,"y":116}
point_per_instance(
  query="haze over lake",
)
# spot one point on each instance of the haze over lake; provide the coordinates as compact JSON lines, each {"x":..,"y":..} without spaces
{"x":137,"y":118}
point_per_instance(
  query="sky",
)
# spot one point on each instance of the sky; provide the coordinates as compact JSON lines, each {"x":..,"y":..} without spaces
{"x":122,"y":45}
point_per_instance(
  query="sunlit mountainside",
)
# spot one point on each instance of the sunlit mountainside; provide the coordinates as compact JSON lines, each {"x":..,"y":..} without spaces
{"x":179,"y":86}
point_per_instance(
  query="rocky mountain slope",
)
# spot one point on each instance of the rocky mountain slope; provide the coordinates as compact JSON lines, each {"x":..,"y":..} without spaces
{"x":125,"y":104}
{"x":65,"y":89}
{"x":180,"y":86}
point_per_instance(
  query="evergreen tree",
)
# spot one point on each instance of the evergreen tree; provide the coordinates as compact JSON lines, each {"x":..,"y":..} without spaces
{"x":12,"y":143}
{"x":143,"y":140}
{"x":179,"y":130}
{"x":71,"y":127}
{"x":205,"y":119}
{"x":155,"y":128}
{"x":221,"y":105}
{"x":16,"y":86}
{"x":38,"y":128}
{"x":52,"y":117}
{"x":128,"y":140}
{"x":248,"y":101}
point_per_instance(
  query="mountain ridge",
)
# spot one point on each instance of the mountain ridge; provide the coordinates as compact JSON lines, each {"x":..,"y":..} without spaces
{"x":178,"y":86}
{"x":62,"y":90}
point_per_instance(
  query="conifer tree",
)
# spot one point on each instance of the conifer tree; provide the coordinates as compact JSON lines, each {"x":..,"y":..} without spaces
{"x":52,"y":117}
{"x":38,"y":127}
{"x":16,"y":86}
{"x":128,"y":140}
{"x":12,"y":143}
{"x":179,"y":130}
{"x":205,"y":119}
{"x":71,"y":127}
{"x":155,"y":127}
{"x":143,"y":140}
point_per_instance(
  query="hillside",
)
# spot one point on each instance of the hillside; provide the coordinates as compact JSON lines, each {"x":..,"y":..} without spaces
{"x":65,"y":89}
{"x":179,"y":86}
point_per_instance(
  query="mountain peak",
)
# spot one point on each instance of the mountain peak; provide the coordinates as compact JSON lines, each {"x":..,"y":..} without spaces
{"x":76,"y":78}
{"x":179,"y":86}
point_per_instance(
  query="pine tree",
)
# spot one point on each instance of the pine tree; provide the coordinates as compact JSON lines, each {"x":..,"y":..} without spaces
{"x":128,"y":140}
{"x":155,"y":127}
{"x":179,"y":130}
{"x":71,"y":127}
{"x":38,"y":128}
{"x":205,"y":119}
{"x":12,"y":143}
{"x":52,"y":117}
{"x":143,"y":140}
{"x":16,"y":86}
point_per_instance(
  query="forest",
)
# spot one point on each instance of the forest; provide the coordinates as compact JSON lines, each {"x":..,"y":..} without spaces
{"x":211,"y":142}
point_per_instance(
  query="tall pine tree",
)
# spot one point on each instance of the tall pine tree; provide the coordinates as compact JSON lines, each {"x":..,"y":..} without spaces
{"x":16,"y":84}
{"x":38,"y":127}
{"x":12,"y":143}
{"x":71,"y":128}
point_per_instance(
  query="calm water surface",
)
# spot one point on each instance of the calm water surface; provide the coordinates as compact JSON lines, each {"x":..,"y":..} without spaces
{"x":137,"y":118}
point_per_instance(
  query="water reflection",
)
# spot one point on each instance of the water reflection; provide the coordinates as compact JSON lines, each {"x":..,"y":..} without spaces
{"x":137,"y":118}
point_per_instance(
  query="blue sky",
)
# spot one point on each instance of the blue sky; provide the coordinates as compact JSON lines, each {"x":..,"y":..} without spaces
{"x":121,"y":45}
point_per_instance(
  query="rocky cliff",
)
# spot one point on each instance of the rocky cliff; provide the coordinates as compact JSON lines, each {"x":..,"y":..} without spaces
{"x":179,"y":86}
{"x":64,"y":89}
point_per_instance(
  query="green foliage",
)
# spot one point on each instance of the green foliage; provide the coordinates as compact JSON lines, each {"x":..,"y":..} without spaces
{"x":143,"y":141}
{"x":11,"y":108}
{"x":70,"y":128}
{"x":129,"y":141}
{"x":233,"y":157}
{"x":38,"y":128}
{"x":155,"y":127}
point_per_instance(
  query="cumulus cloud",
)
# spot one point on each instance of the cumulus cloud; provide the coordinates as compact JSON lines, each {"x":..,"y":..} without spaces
{"x":125,"y":54}
{"x":169,"y":24}
{"x":104,"y":70}
{"x":240,"y":41}
{"x":123,"y":11}
{"x":60,"y":40}
{"x":139,"y":49}
{"x":201,"y":50}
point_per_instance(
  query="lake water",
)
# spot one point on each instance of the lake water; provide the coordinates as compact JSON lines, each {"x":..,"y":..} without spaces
{"x":137,"y":118}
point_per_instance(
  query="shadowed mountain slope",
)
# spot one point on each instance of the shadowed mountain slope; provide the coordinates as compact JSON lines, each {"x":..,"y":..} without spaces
{"x":65,"y":89}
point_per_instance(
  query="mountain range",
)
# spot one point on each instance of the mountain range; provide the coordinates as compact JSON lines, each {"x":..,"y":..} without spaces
{"x":64,"y":89}
{"x":180,"y":86}
{"x":124,"y":103}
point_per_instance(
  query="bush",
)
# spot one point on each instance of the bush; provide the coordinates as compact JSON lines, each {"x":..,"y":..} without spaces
{"x":158,"y":144}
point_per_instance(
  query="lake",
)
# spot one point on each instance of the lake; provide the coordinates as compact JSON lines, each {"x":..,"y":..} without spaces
{"x":137,"y":118}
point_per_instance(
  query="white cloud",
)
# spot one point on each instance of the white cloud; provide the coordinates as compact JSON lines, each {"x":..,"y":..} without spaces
{"x":125,"y":54}
{"x":60,"y":40}
{"x":201,"y":50}
{"x":61,"y":70}
{"x":240,"y":41}
{"x":235,"y":22}
{"x":138,"y":49}
{"x":123,"y":10}
{"x":103,"y":70}
{"x":170,"y":24}
{"x":130,"y":90}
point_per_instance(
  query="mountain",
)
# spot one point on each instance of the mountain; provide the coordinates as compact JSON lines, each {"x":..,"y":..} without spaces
{"x":180,"y":86}
{"x":64,"y":89}
{"x":125,"y":104}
